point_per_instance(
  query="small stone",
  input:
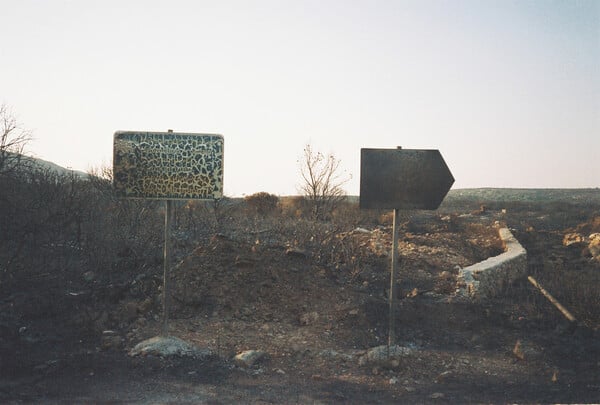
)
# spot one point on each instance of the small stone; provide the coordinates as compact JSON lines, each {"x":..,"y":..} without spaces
{"x":296,"y":252}
{"x":393,"y":381}
{"x":594,"y":245}
{"x":385,"y":356}
{"x":525,"y":351}
{"x":445,"y":275}
{"x":573,"y":238}
{"x":244,"y":262}
{"x":436,"y":395}
{"x":167,"y":346}
{"x":309,"y":318}
{"x":111,"y":340}
{"x":361,"y":230}
{"x":248,"y":358}
{"x":443,"y":376}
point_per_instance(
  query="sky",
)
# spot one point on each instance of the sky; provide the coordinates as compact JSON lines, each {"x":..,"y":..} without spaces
{"x":508,"y":91}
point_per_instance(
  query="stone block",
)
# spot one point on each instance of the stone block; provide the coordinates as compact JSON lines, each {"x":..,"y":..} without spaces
{"x":490,"y":277}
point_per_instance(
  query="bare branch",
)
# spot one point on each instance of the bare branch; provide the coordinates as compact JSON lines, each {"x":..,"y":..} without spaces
{"x":322,"y":182}
{"x":13,"y":139}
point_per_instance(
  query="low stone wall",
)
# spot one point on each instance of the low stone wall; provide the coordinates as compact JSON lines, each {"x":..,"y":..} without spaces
{"x":490,"y":277}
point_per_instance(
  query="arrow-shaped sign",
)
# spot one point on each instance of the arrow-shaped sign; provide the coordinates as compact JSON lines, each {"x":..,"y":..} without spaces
{"x":403,"y":178}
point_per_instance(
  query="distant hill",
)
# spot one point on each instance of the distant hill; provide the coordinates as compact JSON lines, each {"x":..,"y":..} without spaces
{"x":579,"y":195}
{"x":522,"y":195}
{"x":36,"y":164}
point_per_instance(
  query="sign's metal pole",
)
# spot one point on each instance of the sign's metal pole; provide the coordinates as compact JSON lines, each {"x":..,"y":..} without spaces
{"x":392,"y":324}
{"x":167,"y":260}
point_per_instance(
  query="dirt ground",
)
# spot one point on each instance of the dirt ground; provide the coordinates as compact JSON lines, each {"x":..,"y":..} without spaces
{"x":65,"y":338}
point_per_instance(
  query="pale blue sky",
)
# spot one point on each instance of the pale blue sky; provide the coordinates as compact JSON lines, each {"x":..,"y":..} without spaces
{"x":509,"y":91}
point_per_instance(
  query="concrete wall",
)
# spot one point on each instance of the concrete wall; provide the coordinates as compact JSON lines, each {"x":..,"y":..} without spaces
{"x":490,"y":277}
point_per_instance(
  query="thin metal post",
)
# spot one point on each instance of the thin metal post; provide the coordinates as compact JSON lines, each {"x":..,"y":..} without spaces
{"x":167,"y":260}
{"x":392,"y":324}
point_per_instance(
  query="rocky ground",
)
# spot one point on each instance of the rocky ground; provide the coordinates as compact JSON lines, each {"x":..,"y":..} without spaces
{"x":302,"y":332}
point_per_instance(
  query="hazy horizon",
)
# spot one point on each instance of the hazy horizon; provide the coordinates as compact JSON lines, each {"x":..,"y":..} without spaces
{"x":508,"y":91}
{"x":53,"y":166}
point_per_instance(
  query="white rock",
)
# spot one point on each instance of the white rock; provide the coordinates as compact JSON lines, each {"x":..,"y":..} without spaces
{"x":385,"y":356}
{"x":594,"y":246}
{"x":573,"y":238}
{"x":165,"y":346}
{"x":248,"y":358}
{"x":361,"y":230}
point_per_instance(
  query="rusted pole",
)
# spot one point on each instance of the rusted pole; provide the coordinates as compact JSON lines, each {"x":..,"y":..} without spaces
{"x":167,"y":260}
{"x":391,"y":295}
{"x":553,"y":300}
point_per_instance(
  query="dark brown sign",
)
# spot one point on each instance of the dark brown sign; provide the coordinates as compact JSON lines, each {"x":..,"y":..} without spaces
{"x":403,"y":179}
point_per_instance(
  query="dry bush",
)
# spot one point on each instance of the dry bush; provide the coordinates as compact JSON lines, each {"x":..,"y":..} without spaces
{"x":41,"y":213}
{"x":121,"y":234}
{"x":292,"y":206}
{"x":13,"y":139}
{"x":201,"y":219}
{"x":261,"y":203}
{"x":322,"y":182}
{"x":386,"y":218}
{"x":61,"y":223}
{"x":349,"y":215}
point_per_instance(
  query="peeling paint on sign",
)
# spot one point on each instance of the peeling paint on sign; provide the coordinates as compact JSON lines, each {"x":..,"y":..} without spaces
{"x":168,"y":165}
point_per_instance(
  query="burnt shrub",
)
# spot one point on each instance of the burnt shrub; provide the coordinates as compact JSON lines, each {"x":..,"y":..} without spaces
{"x":62,"y":223}
{"x":42,"y":214}
{"x":261,"y":203}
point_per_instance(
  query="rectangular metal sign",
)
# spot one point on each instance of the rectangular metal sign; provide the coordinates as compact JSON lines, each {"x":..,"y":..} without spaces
{"x":403,"y":178}
{"x":168,"y":165}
